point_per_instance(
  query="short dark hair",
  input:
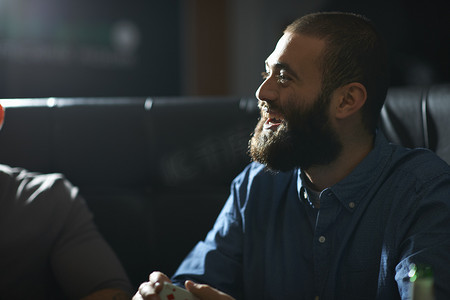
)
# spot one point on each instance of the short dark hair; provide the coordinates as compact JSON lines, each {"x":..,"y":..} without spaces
{"x":354,"y":52}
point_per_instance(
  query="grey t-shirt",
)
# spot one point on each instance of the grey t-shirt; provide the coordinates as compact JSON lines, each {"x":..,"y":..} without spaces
{"x":49,"y":245}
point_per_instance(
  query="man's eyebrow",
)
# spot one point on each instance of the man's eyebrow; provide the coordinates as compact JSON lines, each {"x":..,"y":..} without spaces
{"x":283,"y":66}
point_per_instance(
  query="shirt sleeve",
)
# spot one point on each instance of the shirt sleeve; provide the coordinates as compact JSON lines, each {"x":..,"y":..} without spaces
{"x":217,"y":260}
{"x":428,"y":238}
{"x":81,"y":260}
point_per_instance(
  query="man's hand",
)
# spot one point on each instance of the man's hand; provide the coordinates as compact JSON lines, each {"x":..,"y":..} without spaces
{"x":205,"y":292}
{"x":149,"y":290}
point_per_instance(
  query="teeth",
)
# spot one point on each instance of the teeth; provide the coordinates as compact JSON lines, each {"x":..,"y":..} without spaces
{"x":266,"y":112}
{"x":265,"y":109}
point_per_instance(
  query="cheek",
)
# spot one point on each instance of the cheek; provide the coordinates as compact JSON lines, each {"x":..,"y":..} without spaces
{"x":293,"y":108}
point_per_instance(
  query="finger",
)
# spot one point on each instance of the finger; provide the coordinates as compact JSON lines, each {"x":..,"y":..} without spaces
{"x":158,"y":277}
{"x":146,"y":289}
{"x":158,"y":287}
{"x":137,"y":296}
{"x":204,"y":291}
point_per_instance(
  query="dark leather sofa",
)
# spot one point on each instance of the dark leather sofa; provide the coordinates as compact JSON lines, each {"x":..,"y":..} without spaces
{"x":156,"y":171}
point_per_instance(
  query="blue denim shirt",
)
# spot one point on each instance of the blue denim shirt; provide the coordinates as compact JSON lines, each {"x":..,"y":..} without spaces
{"x":269,"y":243}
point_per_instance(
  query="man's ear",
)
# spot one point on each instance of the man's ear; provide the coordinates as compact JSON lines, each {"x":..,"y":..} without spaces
{"x":350,"y":98}
{"x":2,"y":116}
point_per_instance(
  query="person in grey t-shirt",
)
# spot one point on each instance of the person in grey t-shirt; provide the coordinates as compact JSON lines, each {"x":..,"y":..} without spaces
{"x":49,"y":245}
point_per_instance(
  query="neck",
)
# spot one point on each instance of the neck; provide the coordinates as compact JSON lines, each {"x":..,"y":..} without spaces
{"x":353,"y":152}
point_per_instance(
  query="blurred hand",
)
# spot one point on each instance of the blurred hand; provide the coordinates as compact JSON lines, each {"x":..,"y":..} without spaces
{"x":205,"y":292}
{"x":149,"y":290}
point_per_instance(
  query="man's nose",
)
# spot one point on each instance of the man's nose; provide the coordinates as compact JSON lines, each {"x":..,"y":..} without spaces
{"x":267,"y":91}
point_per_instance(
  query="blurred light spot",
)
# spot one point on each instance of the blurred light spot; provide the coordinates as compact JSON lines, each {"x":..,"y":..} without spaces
{"x":125,"y":37}
{"x":51,"y":102}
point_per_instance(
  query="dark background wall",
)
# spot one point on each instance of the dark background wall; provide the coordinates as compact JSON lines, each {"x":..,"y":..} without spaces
{"x":189,"y":47}
{"x":89,"y":48}
{"x":417,"y":33}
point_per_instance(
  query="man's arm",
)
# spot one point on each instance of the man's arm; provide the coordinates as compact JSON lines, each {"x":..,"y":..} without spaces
{"x":427,"y":239}
{"x":217,"y":261}
{"x":82,"y":261}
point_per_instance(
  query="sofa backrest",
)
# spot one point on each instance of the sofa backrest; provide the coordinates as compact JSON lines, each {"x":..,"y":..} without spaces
{"x":419,"y":116}
{"x":140,"y":163}
{"x":160,"y":142}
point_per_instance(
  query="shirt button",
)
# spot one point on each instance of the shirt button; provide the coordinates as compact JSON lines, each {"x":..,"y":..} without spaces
{"x":322,"y":239}
{"x":352,"y":205}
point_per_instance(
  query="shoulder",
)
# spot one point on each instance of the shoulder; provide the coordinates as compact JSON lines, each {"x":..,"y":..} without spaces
{"x":421,"y":164}
{"x":28,"y":179}
{"x":24,"y":193}
{"x":420,"y":180}
{"x":257,"y":174}
{"x":28,"y":186}
{"x":257,"y":183}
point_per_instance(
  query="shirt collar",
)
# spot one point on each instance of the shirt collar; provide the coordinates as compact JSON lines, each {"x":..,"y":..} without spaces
{"x":351,"y":190}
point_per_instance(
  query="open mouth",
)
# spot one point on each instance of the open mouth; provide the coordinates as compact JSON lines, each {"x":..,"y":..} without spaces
{"x":272,"y":124}
{"x":273,"y":119}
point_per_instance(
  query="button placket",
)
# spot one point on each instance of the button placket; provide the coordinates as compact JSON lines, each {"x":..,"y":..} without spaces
{"x":323,"y":232}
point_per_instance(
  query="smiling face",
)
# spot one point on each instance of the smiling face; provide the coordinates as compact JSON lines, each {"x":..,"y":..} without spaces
{"x":292,"y":71}
{"x":294,"y":129}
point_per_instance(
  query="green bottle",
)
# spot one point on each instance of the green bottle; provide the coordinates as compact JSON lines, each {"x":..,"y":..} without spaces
{"x":422,"y":282}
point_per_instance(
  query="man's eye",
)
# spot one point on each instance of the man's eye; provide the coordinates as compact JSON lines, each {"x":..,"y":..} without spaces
{"x":282,"y":79}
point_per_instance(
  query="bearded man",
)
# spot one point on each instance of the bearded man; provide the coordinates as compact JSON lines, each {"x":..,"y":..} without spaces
{"x":328,"y":209}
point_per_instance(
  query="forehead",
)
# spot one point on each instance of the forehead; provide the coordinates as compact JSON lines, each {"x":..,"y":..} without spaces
{"x":299,"y":51}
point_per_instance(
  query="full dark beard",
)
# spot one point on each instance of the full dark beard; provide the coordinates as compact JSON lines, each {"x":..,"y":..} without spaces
{"x":310,"y":140}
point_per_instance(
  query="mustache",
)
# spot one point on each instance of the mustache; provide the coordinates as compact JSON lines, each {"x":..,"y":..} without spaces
{"x":269,"y":107}
{"x":263,"y":106}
